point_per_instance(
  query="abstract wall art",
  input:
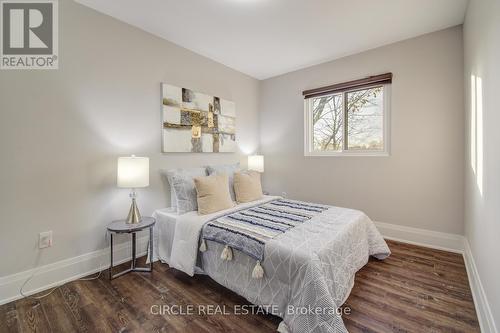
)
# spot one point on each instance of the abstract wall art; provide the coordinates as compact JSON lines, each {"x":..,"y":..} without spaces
{"x":193,"y":122}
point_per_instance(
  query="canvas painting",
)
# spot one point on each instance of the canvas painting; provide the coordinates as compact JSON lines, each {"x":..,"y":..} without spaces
{"x":194,"y":122}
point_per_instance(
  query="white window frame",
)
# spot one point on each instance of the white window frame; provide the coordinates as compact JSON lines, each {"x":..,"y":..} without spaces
{"x":308,"y":128}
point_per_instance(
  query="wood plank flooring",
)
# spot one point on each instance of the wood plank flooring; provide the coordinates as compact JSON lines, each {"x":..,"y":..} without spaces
{"x":415,"y":290}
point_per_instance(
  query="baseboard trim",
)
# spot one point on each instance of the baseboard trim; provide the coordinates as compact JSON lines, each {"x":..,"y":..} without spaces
{"x":447,"y":242}
{"x":58,"y":273}
{"x":483,"y":310}
{"x":422,"y":237}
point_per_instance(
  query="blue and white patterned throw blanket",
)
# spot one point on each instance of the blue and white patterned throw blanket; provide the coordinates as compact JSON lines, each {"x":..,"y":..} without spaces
{"x":248,"y":230}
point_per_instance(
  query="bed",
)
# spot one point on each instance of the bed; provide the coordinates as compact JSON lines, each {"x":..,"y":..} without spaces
{"x":308,"y":270}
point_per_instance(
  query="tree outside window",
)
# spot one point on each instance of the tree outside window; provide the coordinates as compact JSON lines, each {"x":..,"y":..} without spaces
{"x":348,"y":121}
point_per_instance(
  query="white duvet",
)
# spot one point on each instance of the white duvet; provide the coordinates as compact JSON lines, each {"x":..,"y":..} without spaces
{"x":309,"y":270}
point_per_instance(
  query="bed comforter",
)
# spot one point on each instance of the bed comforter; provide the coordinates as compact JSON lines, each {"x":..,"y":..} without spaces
{"x":309,"y":270}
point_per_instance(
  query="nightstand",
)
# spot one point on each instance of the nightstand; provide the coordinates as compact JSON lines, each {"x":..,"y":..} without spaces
{"x":121,"y":227}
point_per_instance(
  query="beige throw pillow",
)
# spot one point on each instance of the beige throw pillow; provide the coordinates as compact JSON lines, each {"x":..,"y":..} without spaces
{"x":212,"y":194}
{"x":247,"y":186}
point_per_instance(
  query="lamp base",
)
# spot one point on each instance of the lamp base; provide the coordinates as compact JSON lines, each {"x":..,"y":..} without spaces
{"x":134,"y":216}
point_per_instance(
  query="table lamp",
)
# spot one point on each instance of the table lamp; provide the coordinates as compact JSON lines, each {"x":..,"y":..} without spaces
{"x":256,"y":163}
{"x":133,"y":172}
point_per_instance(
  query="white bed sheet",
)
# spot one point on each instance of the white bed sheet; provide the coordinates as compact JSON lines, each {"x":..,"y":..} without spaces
{"x":163,"y":233}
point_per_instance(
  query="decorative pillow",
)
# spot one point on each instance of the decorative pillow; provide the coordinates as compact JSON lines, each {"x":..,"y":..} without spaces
{"x":173,"y":200}
{"x":226,"y":169}
{"x":213,"y":194}
{"x":247,"y":186}
{"x":182,"y":190}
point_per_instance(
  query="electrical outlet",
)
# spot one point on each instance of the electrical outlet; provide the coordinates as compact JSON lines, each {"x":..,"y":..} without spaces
{"x":45,"y":239}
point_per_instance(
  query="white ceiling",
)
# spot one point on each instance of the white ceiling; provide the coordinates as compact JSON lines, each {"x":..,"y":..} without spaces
{"x":265,"y":38}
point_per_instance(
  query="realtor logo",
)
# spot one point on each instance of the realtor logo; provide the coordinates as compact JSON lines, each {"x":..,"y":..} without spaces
{"x":29,"y":34}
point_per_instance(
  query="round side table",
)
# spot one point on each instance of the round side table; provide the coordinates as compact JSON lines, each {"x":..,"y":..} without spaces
{"x":121,"y":227}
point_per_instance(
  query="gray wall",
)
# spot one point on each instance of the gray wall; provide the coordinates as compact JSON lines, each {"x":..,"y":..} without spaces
{"x":421,"y":183}
{"x":482,"y":166}
{"x":61,"y":132}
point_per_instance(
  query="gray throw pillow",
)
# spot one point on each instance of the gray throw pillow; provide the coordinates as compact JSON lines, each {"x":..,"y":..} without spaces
{"x":169,"y":174}
{"x":182,"y":189}
{"x":225,"y":169}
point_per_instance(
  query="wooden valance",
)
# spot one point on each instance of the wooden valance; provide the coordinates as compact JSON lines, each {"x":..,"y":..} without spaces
{"x":340,"y":87}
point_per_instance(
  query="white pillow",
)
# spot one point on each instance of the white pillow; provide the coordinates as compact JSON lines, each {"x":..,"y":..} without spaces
{"x":173,"y":200}
{"x":225,"y":169}
{"x":182,"y":190}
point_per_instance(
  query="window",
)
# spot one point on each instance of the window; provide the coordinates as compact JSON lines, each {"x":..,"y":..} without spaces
{"x":348,"y":119}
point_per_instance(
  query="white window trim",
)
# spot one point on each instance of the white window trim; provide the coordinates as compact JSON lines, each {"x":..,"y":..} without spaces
{"x":308,"y":135}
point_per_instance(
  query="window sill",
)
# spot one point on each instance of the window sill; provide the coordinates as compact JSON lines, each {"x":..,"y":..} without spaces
{"x":348,"y":154}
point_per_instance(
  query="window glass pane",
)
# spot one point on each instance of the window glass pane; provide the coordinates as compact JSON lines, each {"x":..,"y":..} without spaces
{"x":365,"y":119}
{"x":327,"y":119}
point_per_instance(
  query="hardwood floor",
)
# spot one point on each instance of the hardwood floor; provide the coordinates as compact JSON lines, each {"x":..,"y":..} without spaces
{"x":415,"y":290}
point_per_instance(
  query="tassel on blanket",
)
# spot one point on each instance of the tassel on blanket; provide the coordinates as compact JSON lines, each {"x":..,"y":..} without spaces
{"x":203,"y":246}
{"x":282,"y":328}
{"x":258,"y":271}
{"x":227,"y":254}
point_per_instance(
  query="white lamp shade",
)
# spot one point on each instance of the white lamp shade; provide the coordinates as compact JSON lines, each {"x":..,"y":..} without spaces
{"x":256,"y":163}
{"x":133,"y":172}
